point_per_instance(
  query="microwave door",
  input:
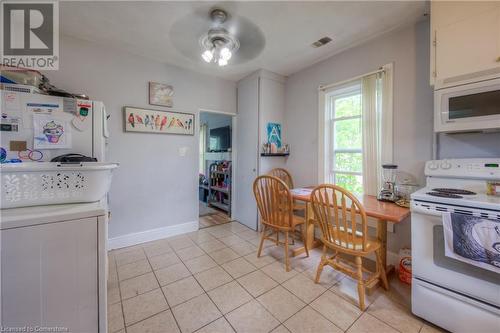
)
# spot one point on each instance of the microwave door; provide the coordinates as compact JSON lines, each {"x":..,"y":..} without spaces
{"x":470,"y":107}
{"x":482,"y":104}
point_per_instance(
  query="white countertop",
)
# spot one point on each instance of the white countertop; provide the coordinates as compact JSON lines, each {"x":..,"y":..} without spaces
{"x":25,"y":216}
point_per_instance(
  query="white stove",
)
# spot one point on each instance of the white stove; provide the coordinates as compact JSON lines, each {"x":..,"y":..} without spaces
{"x":460,"y":183}
{"x":452,"y":294}
{"x":478,"y":201}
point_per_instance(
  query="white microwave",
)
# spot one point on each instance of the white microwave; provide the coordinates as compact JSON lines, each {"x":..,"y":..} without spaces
{"x":468,"y":108}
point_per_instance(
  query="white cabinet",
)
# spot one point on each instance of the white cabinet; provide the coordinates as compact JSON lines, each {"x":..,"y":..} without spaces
{"x":261,"y":100}
{"x":246,"y":150}
{"x":52,"y":273}
{"x":465,"y":42}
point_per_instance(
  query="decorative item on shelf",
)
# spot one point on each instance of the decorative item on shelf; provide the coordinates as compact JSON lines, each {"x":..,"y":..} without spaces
{"x":274,"y":136}
{"x":267,"y":150}
{"x":156,"y":121}
{"x":161,"y":94}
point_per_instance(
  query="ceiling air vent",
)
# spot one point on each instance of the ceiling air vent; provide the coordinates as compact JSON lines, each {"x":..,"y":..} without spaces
{"x":321,"y":42}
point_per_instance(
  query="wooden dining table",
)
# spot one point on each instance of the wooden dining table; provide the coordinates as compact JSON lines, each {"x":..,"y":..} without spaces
{"x":383,"y":212}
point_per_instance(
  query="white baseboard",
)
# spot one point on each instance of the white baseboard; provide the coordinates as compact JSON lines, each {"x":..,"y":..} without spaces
{"x":151,"y":235}
{"x":393,"y":259}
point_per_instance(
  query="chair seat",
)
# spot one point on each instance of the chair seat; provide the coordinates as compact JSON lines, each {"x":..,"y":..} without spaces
{"x":296,"y":220}
{"x":341,"y":241}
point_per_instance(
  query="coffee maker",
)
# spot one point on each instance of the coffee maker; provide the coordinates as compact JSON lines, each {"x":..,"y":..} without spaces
{"x":388,"y":191}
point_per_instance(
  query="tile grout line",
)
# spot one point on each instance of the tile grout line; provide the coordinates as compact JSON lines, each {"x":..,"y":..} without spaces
{"x":120,"y":293}
{"x":163,"y":293}
{"x":234,"y":280}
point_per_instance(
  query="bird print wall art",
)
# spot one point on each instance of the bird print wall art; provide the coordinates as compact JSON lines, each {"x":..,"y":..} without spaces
{"x":155,"y":121}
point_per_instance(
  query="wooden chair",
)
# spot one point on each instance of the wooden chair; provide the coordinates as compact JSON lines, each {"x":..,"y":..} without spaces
{"x":285,"y":176}
{"x":275,"y":204}
{"x":344,"y":229}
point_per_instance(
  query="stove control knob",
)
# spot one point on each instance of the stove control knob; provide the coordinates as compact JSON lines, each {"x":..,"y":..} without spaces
{"x":433,"y":166}
{"x":445,"y":165}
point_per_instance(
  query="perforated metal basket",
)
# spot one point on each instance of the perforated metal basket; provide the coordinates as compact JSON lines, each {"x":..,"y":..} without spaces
{"x":47,"y":183}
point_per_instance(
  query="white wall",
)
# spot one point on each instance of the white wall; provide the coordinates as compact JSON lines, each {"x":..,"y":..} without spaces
{"x":468,"y":145}
{"x":154,"y":186}
{"x":408,"y":49}
{"x":271,"y":110}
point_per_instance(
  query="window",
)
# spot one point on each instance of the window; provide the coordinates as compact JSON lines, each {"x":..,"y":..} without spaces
{"x":355,"y":132}
{"x":345,"y":165}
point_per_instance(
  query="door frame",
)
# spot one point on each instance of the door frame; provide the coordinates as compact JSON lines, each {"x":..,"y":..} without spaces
{"x":233,"y":150}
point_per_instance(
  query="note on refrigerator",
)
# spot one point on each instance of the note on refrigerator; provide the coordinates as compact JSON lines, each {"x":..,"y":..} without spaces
{"x":51,"y":132}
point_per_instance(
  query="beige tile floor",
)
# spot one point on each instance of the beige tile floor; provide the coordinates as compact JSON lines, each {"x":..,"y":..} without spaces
{"x":212,"y":281}
{"x":219,"y":217}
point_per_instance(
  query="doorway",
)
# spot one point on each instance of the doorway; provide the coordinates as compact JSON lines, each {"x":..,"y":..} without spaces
{"x":215,"y":179}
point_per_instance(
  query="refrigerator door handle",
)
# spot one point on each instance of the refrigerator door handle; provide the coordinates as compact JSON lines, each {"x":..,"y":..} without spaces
{"x":105,"y":117}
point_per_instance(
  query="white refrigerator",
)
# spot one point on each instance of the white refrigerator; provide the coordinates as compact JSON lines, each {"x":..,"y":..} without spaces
{"x":54,"y":257}
{"x":26,"y":122}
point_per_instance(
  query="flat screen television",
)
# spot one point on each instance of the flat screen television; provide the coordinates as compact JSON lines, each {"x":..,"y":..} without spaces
{"x":220,"y":139}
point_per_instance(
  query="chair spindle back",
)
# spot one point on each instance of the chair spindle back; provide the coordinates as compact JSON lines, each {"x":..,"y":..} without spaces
{"x":336,"y":211}
{"x":274,"y":201}
{"x":282,"y":174}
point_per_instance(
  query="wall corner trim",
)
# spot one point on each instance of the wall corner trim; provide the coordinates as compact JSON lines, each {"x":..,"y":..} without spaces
{"x":151,"y":235}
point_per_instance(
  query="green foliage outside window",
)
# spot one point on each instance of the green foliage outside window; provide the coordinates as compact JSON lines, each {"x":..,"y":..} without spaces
{"x":348,"y":135}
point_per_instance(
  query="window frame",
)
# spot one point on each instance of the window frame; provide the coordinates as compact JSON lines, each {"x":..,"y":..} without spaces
{"x":347,"y":90}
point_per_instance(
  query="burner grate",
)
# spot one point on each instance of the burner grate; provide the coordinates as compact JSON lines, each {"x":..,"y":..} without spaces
{"x":445,"y":195}
{"x":453,"y":191}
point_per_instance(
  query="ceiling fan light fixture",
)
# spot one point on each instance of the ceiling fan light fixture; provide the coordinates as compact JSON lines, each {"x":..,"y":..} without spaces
{"x":208,"y":55}
{"x":218,"y":45}
{"x":222,"y":62}
{"x":225,"y":54}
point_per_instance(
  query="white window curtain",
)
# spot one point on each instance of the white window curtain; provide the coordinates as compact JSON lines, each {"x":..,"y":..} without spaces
{"x":377,"y":127}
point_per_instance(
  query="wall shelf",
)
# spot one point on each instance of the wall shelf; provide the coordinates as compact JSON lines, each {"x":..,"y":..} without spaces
{"x":275,"y":154}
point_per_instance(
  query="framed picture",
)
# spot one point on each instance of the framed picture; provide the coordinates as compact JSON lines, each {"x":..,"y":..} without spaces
{"x":274,"y":134}
{"x":161,"y":94}
{"x":155,"y":121}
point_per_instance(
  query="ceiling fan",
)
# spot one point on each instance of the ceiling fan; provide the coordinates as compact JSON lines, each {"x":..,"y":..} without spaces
{"x":213,"y":36}
{"x":218,"y":45}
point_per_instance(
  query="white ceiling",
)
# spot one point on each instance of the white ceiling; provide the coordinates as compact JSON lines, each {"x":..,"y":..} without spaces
{"x":148,"y":29}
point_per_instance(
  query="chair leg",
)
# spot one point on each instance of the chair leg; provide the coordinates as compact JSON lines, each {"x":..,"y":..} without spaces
{"x":261,"y":241}
{"x":303,"y":230}
{"x":381,"y":269}
{"x":287,"y":263}
{"x":361,"y":286}
{"x":321,"y":264}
